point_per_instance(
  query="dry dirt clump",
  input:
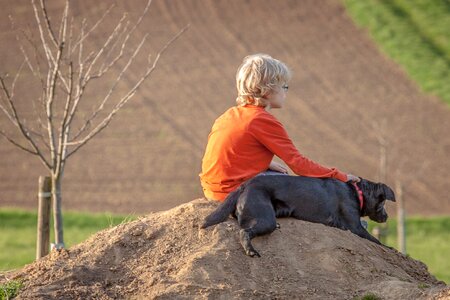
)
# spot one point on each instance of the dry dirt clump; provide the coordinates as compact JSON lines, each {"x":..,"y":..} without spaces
{"x":166,"y":255}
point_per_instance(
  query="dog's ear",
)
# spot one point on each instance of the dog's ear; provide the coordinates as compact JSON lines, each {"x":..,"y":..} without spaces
{"x":386,"y":192}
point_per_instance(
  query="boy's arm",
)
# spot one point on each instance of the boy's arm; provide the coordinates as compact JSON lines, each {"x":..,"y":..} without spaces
{"x":271,"y":133}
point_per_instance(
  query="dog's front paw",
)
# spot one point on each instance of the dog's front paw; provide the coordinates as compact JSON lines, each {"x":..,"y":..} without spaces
{"x":278,"y":226}
{"x":252,"y":253}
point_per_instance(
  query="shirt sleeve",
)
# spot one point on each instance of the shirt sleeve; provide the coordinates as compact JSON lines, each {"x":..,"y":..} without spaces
{"x":271,"y":133}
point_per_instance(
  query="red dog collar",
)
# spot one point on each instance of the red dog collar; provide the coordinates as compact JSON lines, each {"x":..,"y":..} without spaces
{"x":360,"y":195}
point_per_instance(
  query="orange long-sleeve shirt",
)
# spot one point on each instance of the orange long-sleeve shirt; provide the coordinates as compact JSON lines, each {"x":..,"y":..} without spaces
{"x":242,"y":144}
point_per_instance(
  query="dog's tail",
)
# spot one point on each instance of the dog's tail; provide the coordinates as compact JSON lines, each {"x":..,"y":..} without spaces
{"x":224,"y":210}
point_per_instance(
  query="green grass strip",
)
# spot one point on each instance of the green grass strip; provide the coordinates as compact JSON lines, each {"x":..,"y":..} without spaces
{"x":414,"y":33}
{"x":426,"y":240}
{"x":18,"y":233}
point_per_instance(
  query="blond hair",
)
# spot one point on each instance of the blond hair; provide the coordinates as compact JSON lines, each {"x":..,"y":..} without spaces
{"x":257,"y":76}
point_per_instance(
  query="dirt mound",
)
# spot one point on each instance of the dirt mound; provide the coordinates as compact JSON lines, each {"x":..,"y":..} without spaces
{"x":166,"y":255}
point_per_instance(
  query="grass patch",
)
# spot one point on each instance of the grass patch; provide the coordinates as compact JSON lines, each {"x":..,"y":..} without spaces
{"x":426,"y":240}
{"x":18,"y":233}
{"x":414,"y":33}
{"x":423,"y":286}
{"x":369,"y":296}
{"x":10,"y":289}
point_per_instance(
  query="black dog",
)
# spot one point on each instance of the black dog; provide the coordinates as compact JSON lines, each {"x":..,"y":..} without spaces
{"x":257,"y":203}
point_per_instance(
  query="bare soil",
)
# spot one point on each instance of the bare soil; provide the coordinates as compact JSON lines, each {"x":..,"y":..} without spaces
{"x":166,"y":255}
{"x":149,"y":159}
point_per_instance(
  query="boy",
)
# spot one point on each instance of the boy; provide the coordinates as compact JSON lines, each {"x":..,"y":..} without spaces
{"x":244,"y":140}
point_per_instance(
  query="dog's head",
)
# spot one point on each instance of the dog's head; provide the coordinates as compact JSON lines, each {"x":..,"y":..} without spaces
{"x":375,"y":195}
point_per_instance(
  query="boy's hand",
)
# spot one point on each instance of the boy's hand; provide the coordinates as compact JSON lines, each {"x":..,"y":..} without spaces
{"x":274,"y":166}
{"x":353,"y":178}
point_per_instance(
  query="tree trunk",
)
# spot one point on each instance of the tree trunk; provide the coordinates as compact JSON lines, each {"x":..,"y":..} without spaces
{"x":57,"y":212}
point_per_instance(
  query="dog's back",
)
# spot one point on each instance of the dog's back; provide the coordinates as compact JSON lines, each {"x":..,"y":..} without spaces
{"x":305,"y":198}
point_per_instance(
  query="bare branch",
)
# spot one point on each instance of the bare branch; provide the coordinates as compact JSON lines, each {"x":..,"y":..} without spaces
{"x":47,"y":23}
{"x":8,"y":115}
{"x":106,"y":66}
{"x":102,"y":49}
{"x":114,"y":33}
{"x":39,"y":154}
{"x":102,"y":69}
{"x":12,"y":115}
{"x":62,"y":38}
{"x":13,"y":85}
{"x":80,"y":85}
{"x":63,"y":28}
{"x":88,"y":77}
{"x":50,"y":58}
{"x":80,"y":56}
{"x":65,"y":126}
{"x":17,"y":144}
{"x":21,"y":127}
{"x":10,"y":95}
{"x":50,"y":96}
{"x":32,"y":132}
{"x":111,"y":90}
{"x":124,"y":99}
{"x":48,"y":54}
{"x":142,"y":16}
{"x":27,"y":60}
{"x":2,"y":107}
{"x":83,"y":35}
{"x":69,"y":48}
{"x":36,"y":72}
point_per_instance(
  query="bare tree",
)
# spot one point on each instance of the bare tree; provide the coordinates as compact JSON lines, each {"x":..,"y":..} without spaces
{"x":64,"y":70}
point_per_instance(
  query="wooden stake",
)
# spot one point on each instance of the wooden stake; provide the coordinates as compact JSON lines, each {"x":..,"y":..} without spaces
{"x":401,"y":233}
{"x":43,"y":226}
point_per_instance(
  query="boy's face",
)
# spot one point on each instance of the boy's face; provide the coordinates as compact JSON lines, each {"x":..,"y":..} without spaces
{"x":277,"y":97}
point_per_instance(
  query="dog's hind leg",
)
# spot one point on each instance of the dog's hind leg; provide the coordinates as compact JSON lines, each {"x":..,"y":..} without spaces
{"x":260,"y":227}
{"x":245,"y":236}
{"x":256,"y":216}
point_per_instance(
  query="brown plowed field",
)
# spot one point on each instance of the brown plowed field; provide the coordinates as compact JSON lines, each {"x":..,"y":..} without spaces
{"x":150,"y":156}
